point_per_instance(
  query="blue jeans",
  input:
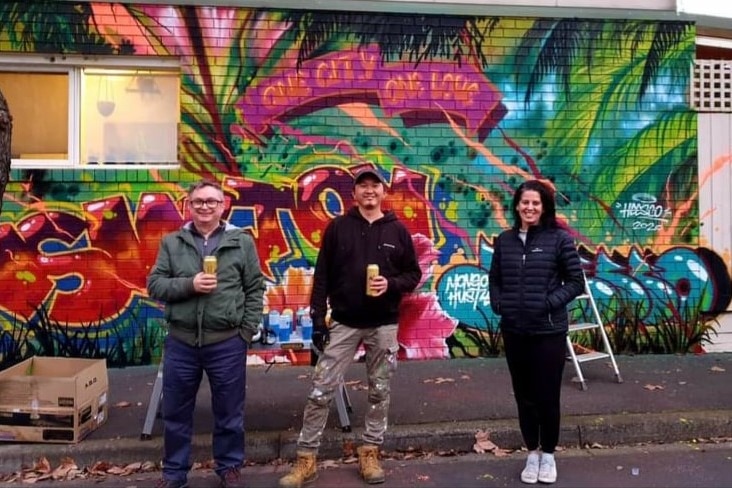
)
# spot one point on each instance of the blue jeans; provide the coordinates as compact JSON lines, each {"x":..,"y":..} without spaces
{"x":183,"y":367}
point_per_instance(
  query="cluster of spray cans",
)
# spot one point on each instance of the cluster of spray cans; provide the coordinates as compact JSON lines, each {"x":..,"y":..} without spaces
{"x":287,"y":326}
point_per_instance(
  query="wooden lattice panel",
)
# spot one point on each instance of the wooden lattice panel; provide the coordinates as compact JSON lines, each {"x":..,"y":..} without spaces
{"x":711,"y":87}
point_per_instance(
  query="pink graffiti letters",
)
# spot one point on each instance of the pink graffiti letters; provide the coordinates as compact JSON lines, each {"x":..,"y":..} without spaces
{"x":419,"y":95}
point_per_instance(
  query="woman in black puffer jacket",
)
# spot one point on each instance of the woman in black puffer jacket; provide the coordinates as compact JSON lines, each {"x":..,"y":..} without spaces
{"x":535,"y":273}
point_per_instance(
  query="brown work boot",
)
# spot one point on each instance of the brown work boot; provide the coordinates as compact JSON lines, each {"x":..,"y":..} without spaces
{"x":368,"y":464}
{"x":303,"y":471}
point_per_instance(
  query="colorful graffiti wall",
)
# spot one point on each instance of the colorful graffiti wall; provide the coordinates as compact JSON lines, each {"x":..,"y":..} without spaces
{"x":282,"y":106}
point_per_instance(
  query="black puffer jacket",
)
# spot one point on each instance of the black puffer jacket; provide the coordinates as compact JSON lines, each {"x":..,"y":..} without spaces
{"x":531,"y":284}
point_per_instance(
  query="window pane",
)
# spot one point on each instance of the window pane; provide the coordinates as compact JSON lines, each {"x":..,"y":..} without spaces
{"x":129,"y":117}
{"x":39,"y":104}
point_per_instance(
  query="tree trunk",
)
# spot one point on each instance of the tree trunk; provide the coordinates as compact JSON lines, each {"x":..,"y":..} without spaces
{"x":6,"y":132}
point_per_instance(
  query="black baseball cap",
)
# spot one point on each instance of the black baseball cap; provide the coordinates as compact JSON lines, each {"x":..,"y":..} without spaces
{"x":362,"y":173}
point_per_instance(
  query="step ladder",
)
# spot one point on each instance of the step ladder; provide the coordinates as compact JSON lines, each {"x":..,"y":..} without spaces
{"x":153,"y":406}
{"x":591,"y":320}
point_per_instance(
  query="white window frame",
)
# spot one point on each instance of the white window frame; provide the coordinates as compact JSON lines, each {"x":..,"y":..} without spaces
{"x":74,"y":65}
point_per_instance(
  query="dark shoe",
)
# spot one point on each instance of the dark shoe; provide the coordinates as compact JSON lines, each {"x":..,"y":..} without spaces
{"x":163,"y":483}
{"x":231,"y":478}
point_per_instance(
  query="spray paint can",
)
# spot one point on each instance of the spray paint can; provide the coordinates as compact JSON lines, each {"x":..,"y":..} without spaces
{"x":372,"y":271}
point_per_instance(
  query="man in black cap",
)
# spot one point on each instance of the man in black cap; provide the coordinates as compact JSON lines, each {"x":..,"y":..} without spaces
{"x":360,"y":313}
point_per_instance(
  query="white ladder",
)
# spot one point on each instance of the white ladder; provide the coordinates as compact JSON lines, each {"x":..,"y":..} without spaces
{"x":594,"y":322}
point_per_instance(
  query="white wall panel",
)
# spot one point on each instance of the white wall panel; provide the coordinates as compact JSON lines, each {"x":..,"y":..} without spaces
{"x":715,"y":202}
{"x":715,"y":182}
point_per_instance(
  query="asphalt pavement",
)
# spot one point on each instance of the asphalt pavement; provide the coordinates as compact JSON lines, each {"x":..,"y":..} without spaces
{"x":677,"y":465}
{"x":437,"y":405}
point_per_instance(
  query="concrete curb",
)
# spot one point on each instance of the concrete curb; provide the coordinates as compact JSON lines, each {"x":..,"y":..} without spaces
{"x":577,"y":431}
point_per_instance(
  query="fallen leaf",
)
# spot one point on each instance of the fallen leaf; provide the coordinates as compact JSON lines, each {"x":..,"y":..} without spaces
{"x":654,"y":387}
{"x":66,"y":470}
{"x":99,"y":468}
{"x":717,"y":369}
{"x":132,"y":468}
{"x":349,"y":448}
{"x":483,"y":443}
{"x":42,"y":465}
{"x":484,"y":446}
{"x":439,"y":380}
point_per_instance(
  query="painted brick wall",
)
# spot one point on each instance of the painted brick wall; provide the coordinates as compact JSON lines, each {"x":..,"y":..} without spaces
{"x":281,"y":106}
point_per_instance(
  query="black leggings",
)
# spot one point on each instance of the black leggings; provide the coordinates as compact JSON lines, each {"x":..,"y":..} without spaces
{"x":536,"y":364}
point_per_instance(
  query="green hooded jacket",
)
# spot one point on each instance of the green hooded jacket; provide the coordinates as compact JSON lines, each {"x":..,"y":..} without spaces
{"x":235,"y":306}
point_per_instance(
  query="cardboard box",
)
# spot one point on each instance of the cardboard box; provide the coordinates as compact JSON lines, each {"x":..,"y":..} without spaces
{"x":53,"y":400}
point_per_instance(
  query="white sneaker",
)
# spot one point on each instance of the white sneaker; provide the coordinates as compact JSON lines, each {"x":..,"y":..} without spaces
{"x":530,"y":474}
{"x":547,"y":469}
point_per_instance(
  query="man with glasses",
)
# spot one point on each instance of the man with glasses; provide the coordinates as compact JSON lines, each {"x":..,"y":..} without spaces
{"x":211,"y":318}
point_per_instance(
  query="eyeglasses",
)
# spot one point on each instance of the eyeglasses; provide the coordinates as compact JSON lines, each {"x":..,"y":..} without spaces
{"x":210,"y":203}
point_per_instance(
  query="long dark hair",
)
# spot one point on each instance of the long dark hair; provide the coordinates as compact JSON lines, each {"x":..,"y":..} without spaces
{"x":549,"y":212}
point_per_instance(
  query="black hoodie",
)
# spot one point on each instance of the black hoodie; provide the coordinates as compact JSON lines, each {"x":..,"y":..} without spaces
{"x":350,"y":243}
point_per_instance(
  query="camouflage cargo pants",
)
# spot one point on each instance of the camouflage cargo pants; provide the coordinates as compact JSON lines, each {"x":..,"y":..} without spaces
{"x":381,"y":348}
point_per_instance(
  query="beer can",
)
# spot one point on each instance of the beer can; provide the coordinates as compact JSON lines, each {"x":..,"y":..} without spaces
{"x":372,"y":271}
{"x":209,"y":264}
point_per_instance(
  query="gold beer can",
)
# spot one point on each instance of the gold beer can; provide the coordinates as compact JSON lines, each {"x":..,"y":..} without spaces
{"x":209,"y":265}
{"x":372,"y":271}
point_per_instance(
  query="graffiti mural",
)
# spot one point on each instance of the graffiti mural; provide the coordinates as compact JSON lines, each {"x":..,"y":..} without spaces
{"x":455,"y":112}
